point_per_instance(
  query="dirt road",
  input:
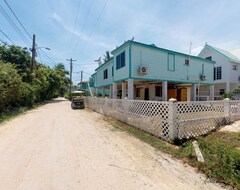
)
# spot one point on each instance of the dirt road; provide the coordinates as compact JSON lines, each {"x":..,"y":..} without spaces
{"x":55,"y":147}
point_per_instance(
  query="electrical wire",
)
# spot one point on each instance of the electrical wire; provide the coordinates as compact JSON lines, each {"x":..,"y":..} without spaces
{"x":7,"y":37}
{"x":99,"y":16}
{"x":14,"y":26}
{"x":75,"y":22}
{"x":48,"y":57}
{"x":17,"y":19}
{"x":83,"y":26}
{"x":11,"y":22}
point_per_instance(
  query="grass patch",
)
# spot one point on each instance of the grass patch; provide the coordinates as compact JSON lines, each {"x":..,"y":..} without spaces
{"x":14,"y":112}
{"x":220,"y":150}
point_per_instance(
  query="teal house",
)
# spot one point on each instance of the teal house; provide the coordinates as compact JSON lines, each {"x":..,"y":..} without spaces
{"x":146,"y":72}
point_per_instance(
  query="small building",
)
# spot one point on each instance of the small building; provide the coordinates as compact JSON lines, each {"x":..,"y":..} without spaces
{"x":147,"y":72}
{"x":226,"y":70}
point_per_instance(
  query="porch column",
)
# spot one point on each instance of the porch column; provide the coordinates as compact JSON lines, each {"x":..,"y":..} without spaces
{"x":227,"y":87}
{"x":110,"y":91}
{"x":188,"y":94}
{"x":114,"y":89}
{"x":130,"y":89}
{"x":103,"y":92}
{"x":211,"y":87}
{"x":123,"y":90}
{"x":193,"y":92}
{"x":164,"y":90}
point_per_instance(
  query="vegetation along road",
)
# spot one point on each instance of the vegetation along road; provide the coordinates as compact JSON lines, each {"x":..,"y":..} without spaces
{"x":55,"y":147}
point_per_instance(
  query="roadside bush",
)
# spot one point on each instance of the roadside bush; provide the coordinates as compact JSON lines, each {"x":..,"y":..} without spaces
{"x":10,"y":86}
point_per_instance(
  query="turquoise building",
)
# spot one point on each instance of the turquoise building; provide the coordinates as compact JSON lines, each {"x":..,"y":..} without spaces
{"x":147,"y":72}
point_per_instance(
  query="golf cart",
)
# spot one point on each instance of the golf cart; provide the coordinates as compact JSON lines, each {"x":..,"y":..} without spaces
{"x":78,"y":100}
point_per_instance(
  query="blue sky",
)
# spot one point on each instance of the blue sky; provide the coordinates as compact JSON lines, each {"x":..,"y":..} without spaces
{"x":101,"y":25}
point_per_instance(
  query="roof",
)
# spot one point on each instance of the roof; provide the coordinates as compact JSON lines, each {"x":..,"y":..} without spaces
{"x":236,"y":53}
{"x":153,"y":46}
{"x":222,"y":52}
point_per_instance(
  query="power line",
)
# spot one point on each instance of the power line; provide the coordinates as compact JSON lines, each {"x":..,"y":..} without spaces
{"x":17,"y":19}
{"x":83,"y":26}
{"x":14,"y":26}
{"x":95,"y":25}
{"x":48,"y":57}
{"x":7,"y":36}
{"x":25,"y":31}
{"x":75,"y":23}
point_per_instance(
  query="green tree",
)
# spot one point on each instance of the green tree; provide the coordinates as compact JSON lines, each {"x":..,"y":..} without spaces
{"x":19,"y":57}
{"x":11,"y":86}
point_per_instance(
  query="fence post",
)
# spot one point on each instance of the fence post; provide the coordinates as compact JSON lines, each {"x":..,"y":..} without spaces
{"x":172,"y":119}
{"x":226,"y":109}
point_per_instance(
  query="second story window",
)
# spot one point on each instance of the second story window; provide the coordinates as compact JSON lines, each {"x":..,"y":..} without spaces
{"x":186,"y":61}
{"x":209,"y":58}
{"x":120,"y":60}
{"x":235,"y":67}
{"x":171,"y":62}
{"x":105,"y":74}
{"x":217,"y":73}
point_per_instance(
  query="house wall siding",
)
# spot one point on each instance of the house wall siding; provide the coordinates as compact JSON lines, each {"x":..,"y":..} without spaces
{"x":157,"y":63}
{"x":122,"y":73}
{"x":220,"y":62}
{"x":99,"y":80}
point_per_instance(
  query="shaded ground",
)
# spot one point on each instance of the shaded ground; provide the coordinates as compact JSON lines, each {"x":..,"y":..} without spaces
{"x":55,"y":147}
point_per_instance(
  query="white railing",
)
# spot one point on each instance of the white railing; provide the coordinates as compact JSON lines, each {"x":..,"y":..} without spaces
{"x":169,"y":120}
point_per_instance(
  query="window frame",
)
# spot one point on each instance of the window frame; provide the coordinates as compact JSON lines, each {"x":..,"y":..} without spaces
{"x":105,"y":74}
{"x":160,"y":91}
{"x":217,"y":73}
{"x":168,"y":58}
{"x":121,"y":60}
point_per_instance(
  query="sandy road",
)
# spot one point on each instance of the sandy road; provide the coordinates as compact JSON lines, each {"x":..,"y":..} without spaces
{"x":55,"y":147}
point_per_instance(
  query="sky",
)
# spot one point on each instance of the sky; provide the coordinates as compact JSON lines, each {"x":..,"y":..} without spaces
{"x":85,"y":29}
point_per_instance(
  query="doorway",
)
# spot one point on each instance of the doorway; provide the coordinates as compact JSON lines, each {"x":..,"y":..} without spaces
{"x":146,"y":94}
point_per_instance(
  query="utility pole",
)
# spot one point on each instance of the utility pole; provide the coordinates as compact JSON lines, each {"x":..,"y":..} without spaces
{"x":71,"y":67}
{"x":33,"y":63}
{"x":81,"y":78}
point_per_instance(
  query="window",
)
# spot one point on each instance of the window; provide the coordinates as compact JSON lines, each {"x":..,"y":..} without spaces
{"x":186,"y":61}
{"x":221,"y":91}
{"x":217,"y":73}
{"x":138,"y":92}
{"x":171,"y":62}
{"x":112,"y":71}
{"x":235,"y":67}
{"x":105,"y":74}
{"x":120,"y":60}
{"x":158,"y":91}
{"x":209,"y":58}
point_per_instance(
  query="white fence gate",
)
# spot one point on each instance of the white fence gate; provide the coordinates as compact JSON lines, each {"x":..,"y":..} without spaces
{"x":169,"y":120}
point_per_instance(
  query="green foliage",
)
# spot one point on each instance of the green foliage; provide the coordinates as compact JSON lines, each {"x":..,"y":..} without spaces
{"x":11,"y":90}
{"x":222,"y":157}
{"x":227,"y":95}
{"x":221,"y":152}
{"x":20,"y":87}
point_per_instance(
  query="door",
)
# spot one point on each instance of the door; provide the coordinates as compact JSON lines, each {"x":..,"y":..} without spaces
{"x":146,"y":94}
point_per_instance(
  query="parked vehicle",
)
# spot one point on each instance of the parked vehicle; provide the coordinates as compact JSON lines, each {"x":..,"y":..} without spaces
{"x":78,"y":100}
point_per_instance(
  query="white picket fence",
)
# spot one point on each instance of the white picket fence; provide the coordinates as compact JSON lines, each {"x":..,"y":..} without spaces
{"x":169,"y":120}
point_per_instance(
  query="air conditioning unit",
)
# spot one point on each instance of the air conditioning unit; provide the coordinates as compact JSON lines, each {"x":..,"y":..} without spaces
{"x":143,"y":70}
{"x":203,"y":77}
